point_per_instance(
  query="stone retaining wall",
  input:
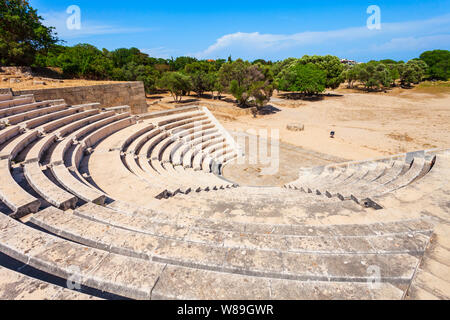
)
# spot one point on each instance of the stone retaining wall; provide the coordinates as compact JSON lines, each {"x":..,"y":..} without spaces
{"x":108,"y":95}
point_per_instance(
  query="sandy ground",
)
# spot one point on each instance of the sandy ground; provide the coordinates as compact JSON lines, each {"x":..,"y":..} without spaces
{"x":366,"y":125}
{"x":29,"y":83}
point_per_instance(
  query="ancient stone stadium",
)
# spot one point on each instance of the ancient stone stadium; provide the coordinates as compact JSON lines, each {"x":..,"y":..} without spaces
{"x":101,"y":204}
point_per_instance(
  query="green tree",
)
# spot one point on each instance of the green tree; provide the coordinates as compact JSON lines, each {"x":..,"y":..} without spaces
{"x":331,"y":65}
{"x":202,"y":82}
{"x":137,"y":72}
{"x":283,"y":65}
{"x":374,"y":75}
{"x":304,"y":78}
{"x":241,"y":78}
{"x":176,"y":82}
{"x":84,"y":61}
{"x":22,"y":34}
{"x":351,"y":75}
{"x":180,"y":63}
{"x":438,"y":62}
{"x":413,"y":72}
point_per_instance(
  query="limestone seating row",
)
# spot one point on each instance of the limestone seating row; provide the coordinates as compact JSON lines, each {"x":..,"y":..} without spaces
{"x":16,"y":286}
{"x":166,"y":139}
{"x":38,"y":150}
{"x":182,"y":153}
{"x":136,"y":278}
{"x":365,"y":180}
{"x":163,"y":113}
{"x":57,"y":155}
{"x":397,"y":268}
{"x":19,"y":200}
{"x":22,"y":108}
{"x":315,"y":173}
{"x":145,"y":138}
{"x":7,"y":101}
{"x":95,"y":131}
{"x":6,"y":96}
{"x":32,"y":114}
{"x":92,"y":139}
{"x":172,"y":225}
{"x":405,"y":237}
{"x":156,"y":153}
{"x":187,"y":220}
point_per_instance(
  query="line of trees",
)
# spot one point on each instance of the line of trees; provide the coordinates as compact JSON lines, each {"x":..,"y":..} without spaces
{"x":375,"y":75}
{"x":25,"y":41}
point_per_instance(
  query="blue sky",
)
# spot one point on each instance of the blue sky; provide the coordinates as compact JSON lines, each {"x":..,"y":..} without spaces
{"x":256,"y":29}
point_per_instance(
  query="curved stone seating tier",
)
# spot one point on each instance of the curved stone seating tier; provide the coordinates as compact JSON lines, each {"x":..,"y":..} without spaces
{"x":167,"y":145}
{"x":20,"y":142}
{"x":207,"y":147}
{"x":129,"y":141}
{"x":95,"y":132}
{"x":37,"y":151}
{"x":99,"y":269}
{"x":98,"y":135}
{"x":207,"y":230}
{"x":362,"y":181}
{"x":185,"y":142}
{"x":16,"y":286}
{"x":47,"y":189}
{"x":7,"y":96}
{"x":26,"y":109}
{"x":8,"y":102}
{"x":12,"y":194}
{"x":49,"y":118}
{"x":98,"y":121}
{"x":12,"y":120}
{"x":212,"y":162}
{"x":257,"y":262}
{"x":185,"y":152}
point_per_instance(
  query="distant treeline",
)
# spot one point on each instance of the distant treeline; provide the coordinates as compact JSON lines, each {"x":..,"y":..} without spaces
{"x":25,"y":41}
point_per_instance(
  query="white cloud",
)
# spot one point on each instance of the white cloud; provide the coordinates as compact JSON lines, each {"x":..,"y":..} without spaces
{"x":413,"y":43}
{"x":159,"y":52}
{"x":392,"y":36}
{"x":88,"y":28}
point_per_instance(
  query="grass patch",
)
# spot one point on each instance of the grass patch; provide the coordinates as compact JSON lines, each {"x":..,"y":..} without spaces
{"x":434,"y":87}
{"x":400,"y":137}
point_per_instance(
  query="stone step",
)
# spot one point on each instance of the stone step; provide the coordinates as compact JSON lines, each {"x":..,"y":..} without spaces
{"x":6,"y":96}
{"x":37,"y":151}
{"x":398,"y":182}
{"x":178,"y":283}
{"x":284,"y":265}
{"x":408,"y":237}
{"x":11,"y":103}
{"x":47,"y":189}
{"x":16,"y":286}
{"x":11,"y":193}
{"x":98,"y":269}
{"x":310,"y":241}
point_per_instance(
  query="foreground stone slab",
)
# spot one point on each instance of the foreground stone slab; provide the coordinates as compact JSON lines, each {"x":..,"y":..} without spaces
{"x":16,"y":286}
{"x":189,"y":284}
